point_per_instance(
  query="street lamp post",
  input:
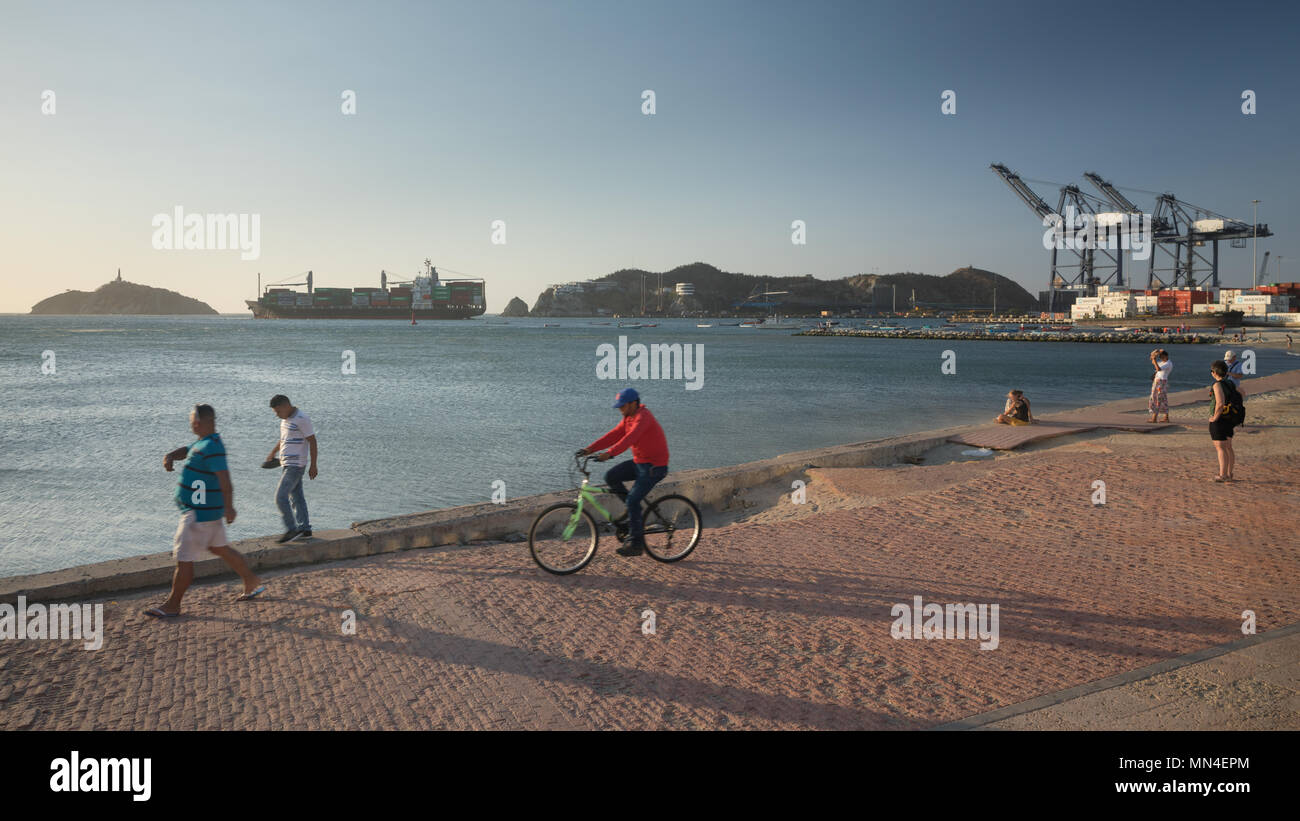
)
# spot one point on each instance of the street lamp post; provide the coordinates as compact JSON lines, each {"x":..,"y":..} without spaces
{"x":1254,"y":269}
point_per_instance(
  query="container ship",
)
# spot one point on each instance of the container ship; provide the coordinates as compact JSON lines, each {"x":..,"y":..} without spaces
{"x":1185,"y":307}
{"x":1229,"y":319}
{"x":427,"y":296}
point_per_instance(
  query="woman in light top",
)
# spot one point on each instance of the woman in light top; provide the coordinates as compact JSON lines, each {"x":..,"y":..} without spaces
{"x":1159,"y":401}
{"x":1016,"y":411}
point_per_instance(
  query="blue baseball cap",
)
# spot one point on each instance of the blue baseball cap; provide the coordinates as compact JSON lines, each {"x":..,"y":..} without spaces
{"x":626,"y":395}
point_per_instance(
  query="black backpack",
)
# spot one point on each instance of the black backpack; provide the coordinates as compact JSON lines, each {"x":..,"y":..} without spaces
{"x":1235,"y":406}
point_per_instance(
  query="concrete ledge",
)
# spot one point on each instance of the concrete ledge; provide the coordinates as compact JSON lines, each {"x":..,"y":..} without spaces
{"x":155,"y":569}
{"x":713,"y":489}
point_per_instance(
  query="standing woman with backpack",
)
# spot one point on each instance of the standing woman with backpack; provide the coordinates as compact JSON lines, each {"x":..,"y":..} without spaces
{"x":1228,"y":413}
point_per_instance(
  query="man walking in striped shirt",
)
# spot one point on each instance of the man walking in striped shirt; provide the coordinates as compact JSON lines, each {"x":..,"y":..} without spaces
{"x":205,"y":496}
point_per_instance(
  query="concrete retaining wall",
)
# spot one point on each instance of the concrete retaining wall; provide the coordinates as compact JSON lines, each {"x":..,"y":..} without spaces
{"x":713,"y":489}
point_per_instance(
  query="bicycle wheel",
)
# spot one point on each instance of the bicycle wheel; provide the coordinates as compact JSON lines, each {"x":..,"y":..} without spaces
{"x":672,"y":528}
{"x":556,"y":551}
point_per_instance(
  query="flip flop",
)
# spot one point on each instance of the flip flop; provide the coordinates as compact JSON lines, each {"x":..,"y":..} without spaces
{"x":159,"y":613}
{"x":259,"y":591}
{"x":1220,"y":479}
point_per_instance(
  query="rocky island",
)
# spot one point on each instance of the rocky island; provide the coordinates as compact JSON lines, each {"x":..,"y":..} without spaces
{"x":516,"y":307}
{"x":700,"y":289}
{"x":121,"y":297}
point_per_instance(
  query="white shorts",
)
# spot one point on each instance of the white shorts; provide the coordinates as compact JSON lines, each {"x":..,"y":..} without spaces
{"x":193,"y":538}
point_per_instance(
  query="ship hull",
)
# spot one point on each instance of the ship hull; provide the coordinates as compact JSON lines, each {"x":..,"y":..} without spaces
{"x":1230,"y":318}
{"x":447,"y":311}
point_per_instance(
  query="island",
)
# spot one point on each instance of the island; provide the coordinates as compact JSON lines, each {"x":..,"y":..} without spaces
{"x":516,"y":307}
{"x":700,"y":289}
{"x":121,"y":297}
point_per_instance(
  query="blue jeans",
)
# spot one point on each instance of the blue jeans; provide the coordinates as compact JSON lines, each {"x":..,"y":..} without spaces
{"x":646,"y":476}
{"x":289,"y":498}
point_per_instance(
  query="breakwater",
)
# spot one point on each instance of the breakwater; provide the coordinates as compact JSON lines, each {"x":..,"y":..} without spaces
{"x":1023,"y":336}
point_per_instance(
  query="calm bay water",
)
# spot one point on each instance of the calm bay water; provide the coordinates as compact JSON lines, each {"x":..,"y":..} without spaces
{"x":437,"y":412}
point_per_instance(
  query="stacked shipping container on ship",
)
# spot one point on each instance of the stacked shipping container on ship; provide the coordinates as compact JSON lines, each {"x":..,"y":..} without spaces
{"x":1179,"y":301}
{"x":425,"y":297}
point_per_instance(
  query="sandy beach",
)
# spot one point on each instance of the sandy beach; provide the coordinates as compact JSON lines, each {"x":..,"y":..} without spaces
{"x":780,"y":620}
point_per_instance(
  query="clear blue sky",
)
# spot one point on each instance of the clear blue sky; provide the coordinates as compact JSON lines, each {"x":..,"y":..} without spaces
{"x":530,"y":112}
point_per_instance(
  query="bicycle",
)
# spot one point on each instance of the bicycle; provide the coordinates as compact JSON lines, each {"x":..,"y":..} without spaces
{"x":563,"y":537}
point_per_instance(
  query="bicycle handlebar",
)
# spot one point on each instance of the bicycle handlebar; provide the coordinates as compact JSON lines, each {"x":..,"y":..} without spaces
{"x":581,"y":459}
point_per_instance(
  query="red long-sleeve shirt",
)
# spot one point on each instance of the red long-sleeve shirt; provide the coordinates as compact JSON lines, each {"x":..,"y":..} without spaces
{"x":641,"y":432}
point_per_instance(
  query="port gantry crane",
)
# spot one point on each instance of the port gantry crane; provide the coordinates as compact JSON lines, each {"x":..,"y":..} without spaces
{"x":1178,"y":229}
{"x":1091,"y":266}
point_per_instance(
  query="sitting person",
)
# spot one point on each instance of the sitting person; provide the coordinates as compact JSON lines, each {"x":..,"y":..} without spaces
{"x":1016,"y":411}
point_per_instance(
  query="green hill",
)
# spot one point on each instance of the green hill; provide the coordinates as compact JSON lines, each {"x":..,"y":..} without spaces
{"x":718,"y":292}
{"x":121,"y":297}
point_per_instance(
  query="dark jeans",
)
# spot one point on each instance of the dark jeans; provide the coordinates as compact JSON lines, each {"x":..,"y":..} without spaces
{"x":646,"y":476}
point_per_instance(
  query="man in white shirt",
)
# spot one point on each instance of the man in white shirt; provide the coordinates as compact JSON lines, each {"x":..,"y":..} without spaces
{"x":297,"y":443}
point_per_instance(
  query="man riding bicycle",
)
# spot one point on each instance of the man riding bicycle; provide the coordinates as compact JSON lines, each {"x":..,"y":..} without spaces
{"x":648,"y":466}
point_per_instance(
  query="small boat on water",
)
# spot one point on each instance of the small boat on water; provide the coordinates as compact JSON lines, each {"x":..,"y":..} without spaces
{"x":650,"y":325}
{"x":774,"y":324}
{"x":598,"y":323}
{"x":630,"y":325}
{"x":729,"y":324}
{"x":704,"y":325}
{"x":556,"y":325}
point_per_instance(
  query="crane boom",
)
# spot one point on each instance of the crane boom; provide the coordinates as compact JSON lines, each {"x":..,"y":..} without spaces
{"x":1026,"y":194}
{"x":1112,"y":193}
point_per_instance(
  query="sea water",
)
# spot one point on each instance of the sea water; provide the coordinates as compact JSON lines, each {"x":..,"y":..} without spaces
{"x":441,"y":413}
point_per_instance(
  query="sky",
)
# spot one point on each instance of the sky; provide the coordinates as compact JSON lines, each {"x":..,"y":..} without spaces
{"x":531,"y":113}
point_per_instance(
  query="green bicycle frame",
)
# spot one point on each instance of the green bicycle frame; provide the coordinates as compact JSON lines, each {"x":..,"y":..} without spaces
{"x":585,"y":495}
